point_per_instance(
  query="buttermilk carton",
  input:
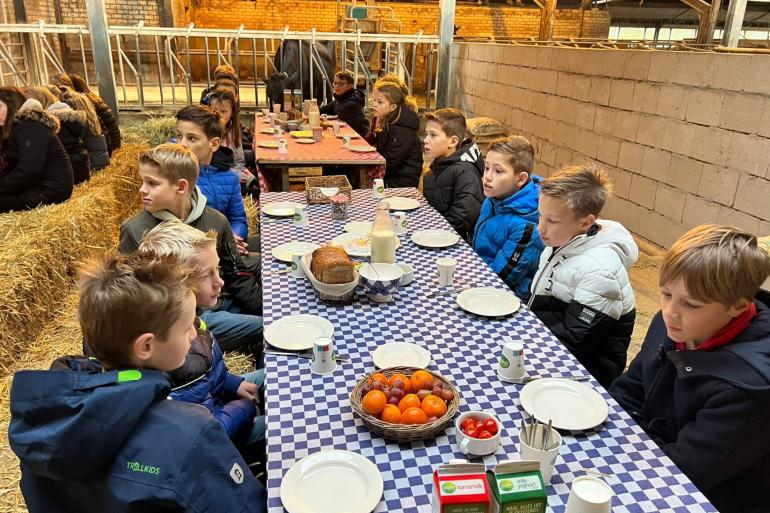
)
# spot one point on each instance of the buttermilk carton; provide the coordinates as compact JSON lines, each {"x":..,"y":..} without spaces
{"x":460,"y":488}
{"x":517,"y":487}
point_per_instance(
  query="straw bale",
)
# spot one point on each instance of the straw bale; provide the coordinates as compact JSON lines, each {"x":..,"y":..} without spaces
{"x":152,"y":132}
{"x":252,"y":216}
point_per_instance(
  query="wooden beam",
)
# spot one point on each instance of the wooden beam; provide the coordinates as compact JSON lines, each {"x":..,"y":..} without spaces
{"x":700,"y":6}
{"x":708,"y":23}
{"x":547,"y":18}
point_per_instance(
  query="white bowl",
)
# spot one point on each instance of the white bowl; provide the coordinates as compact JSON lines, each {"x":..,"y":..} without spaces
{"x":408,"y":276}
{"x":380,"y":281}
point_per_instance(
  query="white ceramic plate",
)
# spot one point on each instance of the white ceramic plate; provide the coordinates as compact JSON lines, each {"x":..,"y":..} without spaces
{"x":357,"y":244}
{"x":280,"y":208}
{"x":269,"y":131}
{"x":352,"y":136}
{"x":284,"y":252}
{"x":435,"y":238}
{"x":488,"y":301}
{"x":297,"y":332}
{"x":268,"y":144}
{"x":332,"y":482}
{"x":361,"y":227}
{"x":395,"y":354}
{"x":362,"y":149}
{"x":571,"y":405}
{"x":401,"y":203}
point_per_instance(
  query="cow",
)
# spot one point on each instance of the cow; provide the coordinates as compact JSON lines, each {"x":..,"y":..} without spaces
{"x":288,"y":65}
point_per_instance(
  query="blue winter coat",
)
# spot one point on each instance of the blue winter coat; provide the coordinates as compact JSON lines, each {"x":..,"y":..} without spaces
{"x":222,"y":189}
{"x":506,"y":236}
{"x":92,"y":441}
{"x":204,"y":380}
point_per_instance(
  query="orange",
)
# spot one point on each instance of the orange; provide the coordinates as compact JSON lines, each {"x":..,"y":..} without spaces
{"x":382,"y":378}
{"x":374,"y":402}
{"x":407,"y":383}
{"x":414,"y":416}
{"x":434,"y":406}
{"x":409,"y":401}
{"x":391,"y":414}
{"x":421,"y":379}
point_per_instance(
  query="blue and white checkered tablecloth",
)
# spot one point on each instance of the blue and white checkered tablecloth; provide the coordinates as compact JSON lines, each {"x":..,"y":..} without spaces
{"x":307,"y":413}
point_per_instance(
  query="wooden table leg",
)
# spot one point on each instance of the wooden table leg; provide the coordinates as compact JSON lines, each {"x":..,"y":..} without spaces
{"x":363,"y":177}
{"x":284,"y":179}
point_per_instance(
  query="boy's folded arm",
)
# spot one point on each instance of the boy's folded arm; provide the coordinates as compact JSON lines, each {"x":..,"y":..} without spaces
{"x":216,"y":478}
{"x":235,"y":416}
{"x":627,"y":389}
{"x":232,"y":382}
{"x":728,"y":435}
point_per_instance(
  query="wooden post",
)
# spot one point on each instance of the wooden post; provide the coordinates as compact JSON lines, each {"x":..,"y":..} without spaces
{"x":708,"y":22}
{"x":547,"y":18}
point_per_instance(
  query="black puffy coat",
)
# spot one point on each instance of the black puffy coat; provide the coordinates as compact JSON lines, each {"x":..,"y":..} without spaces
{"x":453,"y":187}
{"x":708,"y":410}
{"x":349,"y":107}
{"x":37,"y":168}
{"x":108,"y":121}
{"x":71,"y":134}
{"x":400,"y":144}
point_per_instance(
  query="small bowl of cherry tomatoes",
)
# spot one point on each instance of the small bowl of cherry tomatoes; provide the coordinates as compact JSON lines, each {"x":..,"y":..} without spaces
{"x":477,"y":433}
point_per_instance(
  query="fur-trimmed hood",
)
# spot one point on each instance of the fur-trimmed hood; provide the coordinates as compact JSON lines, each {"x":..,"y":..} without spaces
{"x":71,"y":116}
{"x":40,"y":116}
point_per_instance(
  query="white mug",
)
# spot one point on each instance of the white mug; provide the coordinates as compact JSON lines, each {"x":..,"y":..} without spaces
{"x":296,"y":265}
{"x":300,"y":216}
{"x":282,"y":146}
{"x":477,"y":446}
{"x":346,"y":140}
{"x":336,"y":127}
{"x":446,"y":271}
{"x":399,"y":222}
{"x":511,"y":365}
{"x":589,"y":494}
{"x":534,"y":451}
{"x":323,"y":356}
{"x":378,"y":188}
{"x":277,"y":108}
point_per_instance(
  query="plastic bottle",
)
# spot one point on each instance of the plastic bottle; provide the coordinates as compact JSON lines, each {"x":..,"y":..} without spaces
{"x":383,"y":236}
{"x":314,"y":114}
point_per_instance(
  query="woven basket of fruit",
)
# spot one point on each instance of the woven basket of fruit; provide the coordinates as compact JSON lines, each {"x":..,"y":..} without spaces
{"x":405,"y":403}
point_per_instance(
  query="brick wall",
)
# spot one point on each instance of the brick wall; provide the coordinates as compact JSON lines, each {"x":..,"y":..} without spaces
{"x":684,"y":136}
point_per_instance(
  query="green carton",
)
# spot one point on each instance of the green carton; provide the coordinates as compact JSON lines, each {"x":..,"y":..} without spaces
{"x":517,"y":487}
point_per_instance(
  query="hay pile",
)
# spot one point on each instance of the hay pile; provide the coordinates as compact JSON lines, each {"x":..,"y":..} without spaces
{"x":152,"y":132}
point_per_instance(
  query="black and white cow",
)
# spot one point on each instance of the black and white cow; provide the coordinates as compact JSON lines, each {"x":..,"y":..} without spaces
{"x":291,"y":68}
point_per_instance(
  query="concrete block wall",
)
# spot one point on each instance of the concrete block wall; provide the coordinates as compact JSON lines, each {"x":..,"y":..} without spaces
{"x":684,"y":136}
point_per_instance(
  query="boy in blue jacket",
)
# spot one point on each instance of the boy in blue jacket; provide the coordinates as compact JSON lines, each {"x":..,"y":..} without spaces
{"x":506,"y":235}
{"x":199,"y":130}
{"x":204,"y":378}
{"x":102,"y":437}
{"x":700,"y":385}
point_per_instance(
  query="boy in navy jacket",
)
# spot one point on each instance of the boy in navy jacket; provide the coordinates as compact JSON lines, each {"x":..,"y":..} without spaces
{"x":506,"y":235}
{"x":93,"y":439}
{"x":700,"y":386}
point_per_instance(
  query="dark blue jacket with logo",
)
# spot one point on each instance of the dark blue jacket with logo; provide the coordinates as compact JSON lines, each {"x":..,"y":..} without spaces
{"x":92,"y":441}
{"x":506,"y":236}
{"x":708,"y":410}
{"x":222,"y":189}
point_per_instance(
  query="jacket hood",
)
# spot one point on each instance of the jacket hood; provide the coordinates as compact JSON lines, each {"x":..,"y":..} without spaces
{"x":605,"y":234}
{"x":65,"y":424}
{"x":744,"y":362}
{"x":222,"y":160}
{"x":523,"y":203}
{"x":38,"y":116}
{"x":71,"y":116}
{"x":467,"y":152}
{"x":198,"y":201}
{"x":354,"y":95}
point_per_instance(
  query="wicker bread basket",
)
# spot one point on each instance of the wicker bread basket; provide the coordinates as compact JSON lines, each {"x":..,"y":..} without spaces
{"x":313,"y":184}
{"x":404,"y":432}
{"x":330,"y":294}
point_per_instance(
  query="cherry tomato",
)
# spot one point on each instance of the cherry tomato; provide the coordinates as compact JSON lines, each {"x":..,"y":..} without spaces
{"x":468,"y":423}
{"x":491,"y":426}
{"x":471,"y":432}
{"x":485,"y":434}
{"x":479,"y":425}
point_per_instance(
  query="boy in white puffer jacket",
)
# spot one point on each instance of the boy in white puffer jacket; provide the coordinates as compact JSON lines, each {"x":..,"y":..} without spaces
{"x":581,"y":290}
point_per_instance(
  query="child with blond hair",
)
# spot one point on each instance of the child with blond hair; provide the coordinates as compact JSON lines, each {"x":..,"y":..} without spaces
{"x":700,"y":385}
{"x":581,"y":290}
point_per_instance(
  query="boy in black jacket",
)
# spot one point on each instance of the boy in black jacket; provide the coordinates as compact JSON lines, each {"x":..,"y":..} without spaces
{"x":700,"y":386}
{"x":348,"y":103}
{"x":453,"y":184}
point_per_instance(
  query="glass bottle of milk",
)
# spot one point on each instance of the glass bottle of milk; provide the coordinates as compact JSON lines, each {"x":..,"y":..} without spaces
{"x":383,"y":236}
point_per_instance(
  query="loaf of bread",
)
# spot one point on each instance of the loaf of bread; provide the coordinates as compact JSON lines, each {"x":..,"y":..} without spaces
{"x":330,"y":264}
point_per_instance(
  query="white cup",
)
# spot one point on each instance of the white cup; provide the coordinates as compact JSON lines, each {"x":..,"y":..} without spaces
{"x":346,"y":140}
{"x":511,"y":366}
{"x":282,"y":146}
{"x":446,"y":271}
{"x":477,"y":446}
{"x":300,"y":216}
{"x":533,"y":451}
{"x":378,"y":188}
{"x":399,"y":222}
{"x":277,"y":108}
{"x":589,"y":494}
{"x":323,"y":356}
{"x":336,"y":127}
{"x":271,"y":119}
{"x":296,"y":265}
{"x":408,"y":276}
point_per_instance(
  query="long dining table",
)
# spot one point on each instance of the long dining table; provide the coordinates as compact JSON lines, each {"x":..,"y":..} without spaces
{"x":307,"y":413}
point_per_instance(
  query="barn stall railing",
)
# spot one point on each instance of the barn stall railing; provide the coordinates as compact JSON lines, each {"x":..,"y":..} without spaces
{"x":165,"y":67}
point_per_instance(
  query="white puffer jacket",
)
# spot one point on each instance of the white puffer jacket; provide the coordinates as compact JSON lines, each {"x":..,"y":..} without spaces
{"x":591,"y":270}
